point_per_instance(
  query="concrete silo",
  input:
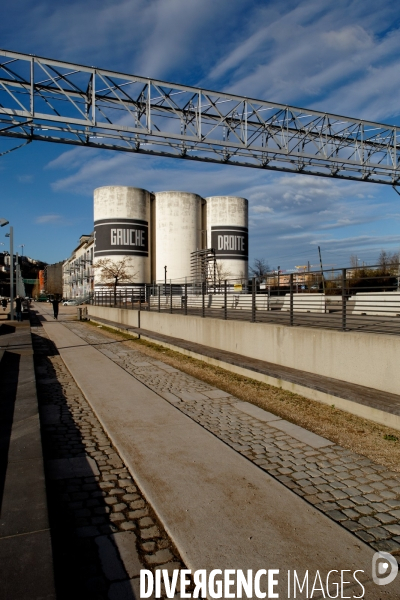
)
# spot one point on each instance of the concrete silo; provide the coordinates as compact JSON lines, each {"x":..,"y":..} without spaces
{"x":227,"y":233}
{"x":122,"y":228}
{"x":177,"y":230}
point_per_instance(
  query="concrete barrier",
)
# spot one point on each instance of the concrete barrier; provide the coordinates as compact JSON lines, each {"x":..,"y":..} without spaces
{"x":210,"y":301}
{"x":305,"y":303}
{"x":365,"y":359}
{"x":377,"y":304}
{"x":235,"y":301}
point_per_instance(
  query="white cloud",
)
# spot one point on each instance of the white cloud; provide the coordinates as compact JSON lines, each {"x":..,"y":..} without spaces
{"x":49,"y":219}
{"x":359,"y":241}
{"x":145,"y":37}
{"x":341,"y":59}
{"x":351,"y":38}
{"x":25,"y":178}
{"x":261,"y":209}
{"x":71,"y":159}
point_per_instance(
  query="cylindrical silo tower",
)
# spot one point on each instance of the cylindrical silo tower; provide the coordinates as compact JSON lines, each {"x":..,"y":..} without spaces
{"x":122,"y":229}
{"x":177,"y":229}
{"x":227,"y":233}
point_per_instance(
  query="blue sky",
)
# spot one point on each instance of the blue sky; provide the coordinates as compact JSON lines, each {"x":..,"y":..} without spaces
{"x":341,"y":56}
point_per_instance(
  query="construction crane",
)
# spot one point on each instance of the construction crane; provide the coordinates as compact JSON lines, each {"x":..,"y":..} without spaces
{"x":54,"y":101}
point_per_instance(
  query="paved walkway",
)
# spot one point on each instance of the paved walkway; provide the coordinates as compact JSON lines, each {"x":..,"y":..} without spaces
{"x":103,"y":529}
{"x":346,"y":486}
{"x":362,"y":395}
{"x":205,"y":483}
{"x":26,"y":565}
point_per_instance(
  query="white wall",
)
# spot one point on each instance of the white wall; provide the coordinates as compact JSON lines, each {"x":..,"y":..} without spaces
{"x":177,"y":231}
{"x":128,"y":204}
{"x":225,"y":212}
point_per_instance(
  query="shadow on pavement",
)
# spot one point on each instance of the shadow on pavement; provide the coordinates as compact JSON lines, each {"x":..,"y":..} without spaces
{"x":9,"y":373}
{"x":6,"y":329}
{"x":80,"y":524}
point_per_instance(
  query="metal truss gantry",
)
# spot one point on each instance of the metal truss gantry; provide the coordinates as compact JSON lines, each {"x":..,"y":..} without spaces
{"x":53,"y":101}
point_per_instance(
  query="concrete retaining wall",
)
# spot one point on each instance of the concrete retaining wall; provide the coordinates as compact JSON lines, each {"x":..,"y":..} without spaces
{"x":365,"y":359}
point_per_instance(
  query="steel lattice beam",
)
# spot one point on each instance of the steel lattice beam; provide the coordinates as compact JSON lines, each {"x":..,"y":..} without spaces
{"x":53,"y":101}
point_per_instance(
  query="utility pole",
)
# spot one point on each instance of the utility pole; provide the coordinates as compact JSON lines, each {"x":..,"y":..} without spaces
{"x":322,"y":271}
{"x":11,"y":236}
{"x":279,"y":271}
{"x":4,"y":222}
{"x":398,"y":273}
{"x":165,"y":280}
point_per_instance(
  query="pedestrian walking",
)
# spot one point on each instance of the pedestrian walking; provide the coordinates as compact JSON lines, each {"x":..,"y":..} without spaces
{"x":18,"y":308}
{"x":55,"y":302}
{"x":4,"y":303}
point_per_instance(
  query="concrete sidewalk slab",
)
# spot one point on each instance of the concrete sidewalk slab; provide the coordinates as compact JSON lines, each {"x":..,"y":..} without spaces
{"x":220,"y":509}
{"x":26,"y":570}
{"x":26,"y":565}
{"x":301,"y":434}
{"x":255,"y":411}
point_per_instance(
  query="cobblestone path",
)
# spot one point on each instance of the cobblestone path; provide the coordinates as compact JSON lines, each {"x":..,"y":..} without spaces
{"x":103,"y":530}
{"x":364,"y":497}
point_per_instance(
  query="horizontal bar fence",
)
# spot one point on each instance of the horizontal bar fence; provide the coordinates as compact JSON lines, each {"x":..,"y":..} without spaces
{"x":364,"y":299}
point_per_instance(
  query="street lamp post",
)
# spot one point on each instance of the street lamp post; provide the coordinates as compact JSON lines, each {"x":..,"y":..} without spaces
{"x":11,"y":236}
{"x":2,"y":289}
{"x":4,"y":222}
{"x":279,"y":272}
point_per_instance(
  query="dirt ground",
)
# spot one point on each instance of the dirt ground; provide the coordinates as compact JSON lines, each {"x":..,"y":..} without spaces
{"x":377,"y":442}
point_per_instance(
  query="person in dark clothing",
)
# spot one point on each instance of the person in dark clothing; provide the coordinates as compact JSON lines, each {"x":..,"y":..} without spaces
{"x":4,"y":303}
{"x":55,"y":302}
{"x":18,"y":308}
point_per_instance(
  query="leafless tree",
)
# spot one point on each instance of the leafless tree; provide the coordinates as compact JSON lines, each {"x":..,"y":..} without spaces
{"x":222,"y":272}
{"x":388,"y":259}
{"x":354,"y":261}
{"x":260,"y":268}
{"x":115,"y":272}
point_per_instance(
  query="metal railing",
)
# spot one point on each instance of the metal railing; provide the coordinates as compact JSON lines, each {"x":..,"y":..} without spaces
{"x":365,"y":299}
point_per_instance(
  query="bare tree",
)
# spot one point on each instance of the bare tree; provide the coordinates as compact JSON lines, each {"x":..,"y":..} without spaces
{"x":260,"y":268}
{"x":221,"y":272}
{"x":388,"y":259}
{"x":113,"y":273}
{"x":354,"y":261}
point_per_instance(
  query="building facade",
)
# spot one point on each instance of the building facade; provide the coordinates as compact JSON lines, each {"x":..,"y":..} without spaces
{"x":78,"y":279}
{"x":53,"y":279}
